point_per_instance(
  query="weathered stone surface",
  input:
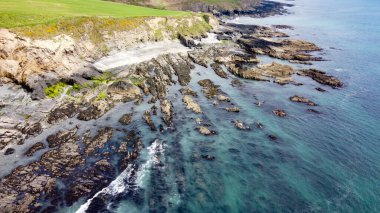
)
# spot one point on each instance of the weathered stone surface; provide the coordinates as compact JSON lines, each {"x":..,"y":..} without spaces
{"x":126,"y":119}
{"x":35,"y":148}
{"x":191,"y":104}
{"x":279,"y":112}
{"x":124,"y":91}
{"x":301,"y":99}
{"x":219,"y":70}
{"x":148,"y":120}
{"x":210,"y":90}
{"x":97,"y":142}
{"x":62,"y":112}
{"x":167,"y":110}
{"x":232,"y":109}
{"x":188,"y":91}
{"x":321,"y":77}
{"x":95,"y":110}
{"x":205,"y":131}
{"x":241,"y":125}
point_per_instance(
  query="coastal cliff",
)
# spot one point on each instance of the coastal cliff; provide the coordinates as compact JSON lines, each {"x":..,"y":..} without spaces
{"x":37,"y":60}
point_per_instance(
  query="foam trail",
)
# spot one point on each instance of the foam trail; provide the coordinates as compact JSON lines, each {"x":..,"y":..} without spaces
{"x":120,"y":185}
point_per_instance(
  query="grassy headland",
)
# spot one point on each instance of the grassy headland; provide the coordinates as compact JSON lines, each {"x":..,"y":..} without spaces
{"x":23,"y":13}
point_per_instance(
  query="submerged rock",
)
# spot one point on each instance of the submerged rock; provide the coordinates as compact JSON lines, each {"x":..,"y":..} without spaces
{"x":188,"y":91}
{"x":279,"y":112}
{"x":232,"y":109}
{"x":208,"y":157}
{"x":126,"y":119}
{"x":240,"y":125}
{"x":301,"y":99}
{"x":320,"y":89}
{"x":205,"y":131}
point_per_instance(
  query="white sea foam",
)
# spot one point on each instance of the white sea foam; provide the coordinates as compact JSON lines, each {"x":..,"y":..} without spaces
{"x":120,"y":185}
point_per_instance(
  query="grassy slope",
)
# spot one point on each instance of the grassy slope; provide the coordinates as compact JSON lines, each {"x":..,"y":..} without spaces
{"x":187,"y":4}
{"x":19,"y":13}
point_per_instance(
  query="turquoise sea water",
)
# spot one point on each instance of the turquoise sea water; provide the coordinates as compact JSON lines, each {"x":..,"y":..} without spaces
{"x":328,"y":162}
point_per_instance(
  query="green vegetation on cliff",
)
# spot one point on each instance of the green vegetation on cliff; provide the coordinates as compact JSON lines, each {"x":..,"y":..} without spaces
{"x":26,"y":13}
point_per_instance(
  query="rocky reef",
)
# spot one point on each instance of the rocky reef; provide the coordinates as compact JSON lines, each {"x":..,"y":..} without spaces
{"x":61,"y":134}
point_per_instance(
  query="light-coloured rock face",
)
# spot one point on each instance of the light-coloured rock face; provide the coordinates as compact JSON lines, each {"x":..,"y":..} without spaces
{"x":191,"y":104}
{"x":43,"y":62}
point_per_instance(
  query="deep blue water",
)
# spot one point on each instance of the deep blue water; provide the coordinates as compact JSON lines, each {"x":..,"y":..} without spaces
{"x":328,"y":162}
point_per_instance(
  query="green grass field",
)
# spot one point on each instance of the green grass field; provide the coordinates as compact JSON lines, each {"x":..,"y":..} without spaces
{"x":21,"y":13}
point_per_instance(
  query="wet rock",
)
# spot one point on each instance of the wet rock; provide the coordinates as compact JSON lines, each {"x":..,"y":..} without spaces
{"x":292,"y":50}
{"x":224,"y":98}
{"x":89,"y":181}
{"x":240,"y":125}
{"x":205,"y":131}
{"x":236,"y":83}
{"x":9,"y":151}
{"x":188,"y":91}
{"x":186,"y":41}
{"x":210,"y":90}
{"x":208,"y":157}
{"x":283,"y":27}
{"x":95,"y":110}
{"x":191,"y":104}
{"x":314,"y":111}
{"x":320,"y":89}
{"x":272,"y":137}
{"x":279,"y":112}
{"x":153,"y":109}
{"x":148,"y":120}
{"x":232,"y":109}
{"x":32,"y":129}
{"x":10,"y":136}
{"x":62,"y":137}
{"x":282,"y":74}
{"x":300,"y":99}
{"x":63,"y":112}
{"x":35,"y":148}
{"x":98,"y":142}
{"x":167,"y":110}
{"x":219,"y":70}
{"x":124,"y":91}
{"x":259,"y":125}
{"x":126,"y":119}
{"x":181,"y":67}
{"x":321,"y":77}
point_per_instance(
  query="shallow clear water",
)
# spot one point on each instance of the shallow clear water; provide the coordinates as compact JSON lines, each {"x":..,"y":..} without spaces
{"x":326,"y":162}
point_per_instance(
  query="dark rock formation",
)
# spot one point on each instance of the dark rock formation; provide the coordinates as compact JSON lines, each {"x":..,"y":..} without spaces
{"x":279,"y":112}
{"x":321,"y":77}
{"x":300,"y":99}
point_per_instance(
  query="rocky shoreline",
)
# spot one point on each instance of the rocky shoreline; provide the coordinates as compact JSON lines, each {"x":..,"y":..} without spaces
{"x":87,"y":157}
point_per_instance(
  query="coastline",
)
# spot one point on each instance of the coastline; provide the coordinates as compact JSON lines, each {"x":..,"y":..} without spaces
{"x":146,"y":89}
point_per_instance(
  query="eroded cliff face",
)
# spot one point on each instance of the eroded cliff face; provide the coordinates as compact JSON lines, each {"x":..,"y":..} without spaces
{"x":39,"y":63}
